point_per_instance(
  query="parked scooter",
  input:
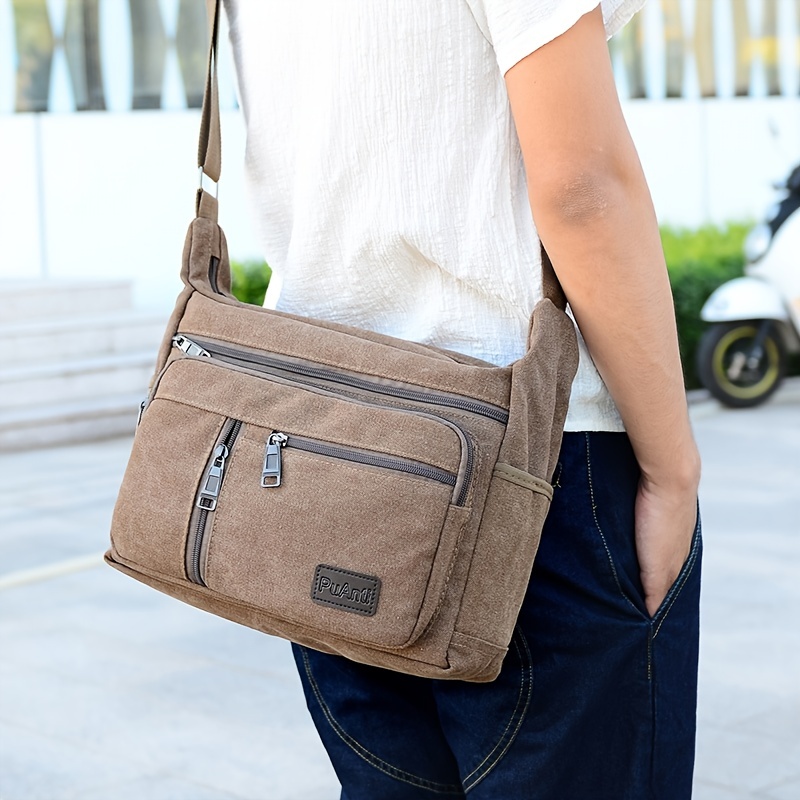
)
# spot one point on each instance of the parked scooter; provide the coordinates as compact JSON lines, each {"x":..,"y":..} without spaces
{"x":755,"y":320}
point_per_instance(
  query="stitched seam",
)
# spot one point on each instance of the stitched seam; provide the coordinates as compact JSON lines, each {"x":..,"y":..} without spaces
{"x":479,"y":459}
{"x":678,"y":587}
{"x":259,"y":345}
{"x":367,"y":612}
{"x":503,"y":472}
{"x":398,"y":403}
{"x":358,"y":469}
{"x":217,"y":439}
{"x":218,"y":410}
{"x":521,"y":717}
{"x":600,"y":530}
{"x":208,"y":569}
{"x":366,"y":755}
{"x":213,"y":594}
{"x":557,"y":479}
{"x":510,"y":720}
{"x":395,"y":452}
{"x":448,"y":574}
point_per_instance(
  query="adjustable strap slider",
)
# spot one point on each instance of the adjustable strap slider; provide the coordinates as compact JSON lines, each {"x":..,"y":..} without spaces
{"x":207,"y":184}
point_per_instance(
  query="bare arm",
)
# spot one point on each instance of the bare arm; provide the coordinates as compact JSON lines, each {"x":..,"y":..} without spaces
{"x":595,"y":216}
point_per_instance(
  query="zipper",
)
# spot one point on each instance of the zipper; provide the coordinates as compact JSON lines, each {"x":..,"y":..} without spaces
{"x":235,"y":355}
{"x":271,"y":471}
{"x":189,"y":347}
{"x":207,"y":497}
{"x":271,"y":474}
{"x":142,"y":407}
{"x":213,"y":272}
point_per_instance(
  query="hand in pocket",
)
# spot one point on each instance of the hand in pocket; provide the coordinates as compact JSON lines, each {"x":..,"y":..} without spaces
{"x":665,"y":522}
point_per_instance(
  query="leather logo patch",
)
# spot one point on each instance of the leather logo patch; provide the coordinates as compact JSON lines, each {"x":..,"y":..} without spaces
{"x":345,"y":590}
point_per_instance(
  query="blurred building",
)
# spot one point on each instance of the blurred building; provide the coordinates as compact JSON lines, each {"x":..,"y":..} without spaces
{"x":98,"y":129}
{"x":96,"y":122}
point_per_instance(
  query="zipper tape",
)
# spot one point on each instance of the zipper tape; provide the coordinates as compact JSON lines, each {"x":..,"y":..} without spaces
{"x":206,"y":349}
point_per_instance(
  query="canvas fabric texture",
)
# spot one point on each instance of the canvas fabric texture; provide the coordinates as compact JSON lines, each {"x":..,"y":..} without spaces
{"x":413,"y":482}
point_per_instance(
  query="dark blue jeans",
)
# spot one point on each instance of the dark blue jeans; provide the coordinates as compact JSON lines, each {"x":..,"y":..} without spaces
{"x":596,"y":700}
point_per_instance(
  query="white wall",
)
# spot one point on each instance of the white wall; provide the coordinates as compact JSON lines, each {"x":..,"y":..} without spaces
{"x":715,"y":159}
{"x":19,"y":199}
{"x":118,"y":195}
{"x":118,"y":188}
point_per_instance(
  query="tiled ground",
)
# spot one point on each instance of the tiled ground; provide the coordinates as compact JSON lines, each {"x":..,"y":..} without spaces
{"x":109,"y":691}
{"x":749,"y":711}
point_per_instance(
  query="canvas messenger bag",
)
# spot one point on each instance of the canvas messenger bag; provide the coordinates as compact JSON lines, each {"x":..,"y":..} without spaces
{"x":349,"y":491}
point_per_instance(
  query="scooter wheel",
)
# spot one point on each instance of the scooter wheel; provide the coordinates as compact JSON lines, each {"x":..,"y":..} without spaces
{"x":729,"y":369}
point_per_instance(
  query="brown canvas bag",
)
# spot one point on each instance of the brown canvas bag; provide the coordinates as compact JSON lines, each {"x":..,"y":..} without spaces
{"x":352,"y":492}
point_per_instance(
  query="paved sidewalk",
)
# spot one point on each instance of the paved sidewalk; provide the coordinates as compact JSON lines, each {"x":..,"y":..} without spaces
{"x":110,"y":691}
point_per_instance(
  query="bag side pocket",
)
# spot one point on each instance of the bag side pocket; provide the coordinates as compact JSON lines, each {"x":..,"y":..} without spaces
{"x":516,"y":506}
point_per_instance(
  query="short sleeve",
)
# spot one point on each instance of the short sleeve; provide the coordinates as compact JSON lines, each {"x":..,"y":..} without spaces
{"x":516,"y":28}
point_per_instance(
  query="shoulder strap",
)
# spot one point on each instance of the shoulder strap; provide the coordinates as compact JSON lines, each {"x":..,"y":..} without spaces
{"x":209,"y":149}
{"x":209,"y":154}
{"x":551,"y":286}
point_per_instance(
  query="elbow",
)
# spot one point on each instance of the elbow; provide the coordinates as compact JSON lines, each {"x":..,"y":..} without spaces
{"x":579,"y":196}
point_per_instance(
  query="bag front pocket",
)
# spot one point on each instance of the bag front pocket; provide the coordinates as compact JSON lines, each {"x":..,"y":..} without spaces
{"x":324,"y":511}
{"x":333,"y":538}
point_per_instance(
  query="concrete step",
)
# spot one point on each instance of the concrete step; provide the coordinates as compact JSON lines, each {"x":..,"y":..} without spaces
{"x":22,"y":301}
{"x":62,"y":423}
{"x":72,"y":381}
{"x":80,"y":337}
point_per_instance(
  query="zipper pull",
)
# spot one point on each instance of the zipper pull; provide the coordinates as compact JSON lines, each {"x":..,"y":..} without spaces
{"x":189,"y":347}
{"x":142,"y":408}
{"x":207,"y":500}
{"x":271,"y":473}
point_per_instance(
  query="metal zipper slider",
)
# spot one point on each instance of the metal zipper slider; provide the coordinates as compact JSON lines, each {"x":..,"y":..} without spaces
{"x":189,"y":347}
{"x":271,"y":473}
{"x":209,"y":493}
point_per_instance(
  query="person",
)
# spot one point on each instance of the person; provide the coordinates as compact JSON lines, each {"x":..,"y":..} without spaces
{"x":404,"y":160}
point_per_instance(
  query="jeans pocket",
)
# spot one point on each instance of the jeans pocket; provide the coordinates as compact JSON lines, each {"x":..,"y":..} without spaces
{"x":613,"y":481}
{"x":612,"y":475}
{"x":684,"y":576}
{"x":380,"y":728}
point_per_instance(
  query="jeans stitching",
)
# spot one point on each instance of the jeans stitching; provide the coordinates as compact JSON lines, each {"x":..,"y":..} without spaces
{"x":366,"y":755}
{"x":557,"y":477}
{"x":510,"y":719}
{"x":661,"y":615}
{"x":600,"y":530}
{"x":509,"y":740}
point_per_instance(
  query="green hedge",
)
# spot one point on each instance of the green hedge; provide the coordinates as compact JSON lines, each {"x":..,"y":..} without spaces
{"x":250,"y":280}
{"x":698,"y":261}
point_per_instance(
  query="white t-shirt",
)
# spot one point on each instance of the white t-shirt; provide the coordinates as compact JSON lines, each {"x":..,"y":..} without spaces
{"x":385,"y":172}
